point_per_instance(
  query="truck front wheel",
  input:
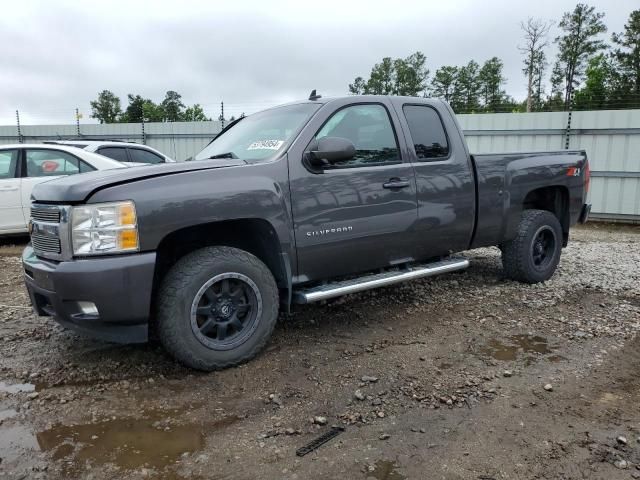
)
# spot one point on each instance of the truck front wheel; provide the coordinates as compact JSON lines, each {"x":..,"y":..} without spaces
{"x":533,"y":255}
{"x":217,"y":307}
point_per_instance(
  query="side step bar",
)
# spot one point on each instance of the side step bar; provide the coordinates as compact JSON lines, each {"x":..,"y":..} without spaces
{"x":367,"y":282}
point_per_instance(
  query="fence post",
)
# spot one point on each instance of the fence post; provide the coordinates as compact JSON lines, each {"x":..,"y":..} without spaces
{"x":78,"y":123}
{"x":568,"y":131}
{"x":18,"y":125}
{"x":144,"y":137}
{"x":222,"y":114}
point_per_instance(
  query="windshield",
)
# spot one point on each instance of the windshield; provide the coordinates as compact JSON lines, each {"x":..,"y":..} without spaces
{"x":260,"y":136}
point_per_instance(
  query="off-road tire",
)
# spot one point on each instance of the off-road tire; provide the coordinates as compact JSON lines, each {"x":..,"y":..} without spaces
{"x":178,"y":290}
{"x":518,"y":254}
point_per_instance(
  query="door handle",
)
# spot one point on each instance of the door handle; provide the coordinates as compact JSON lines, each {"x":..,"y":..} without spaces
{"x":396,"y":183}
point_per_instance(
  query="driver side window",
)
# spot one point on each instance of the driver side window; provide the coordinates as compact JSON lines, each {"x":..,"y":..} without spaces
{"x":369,"y":128}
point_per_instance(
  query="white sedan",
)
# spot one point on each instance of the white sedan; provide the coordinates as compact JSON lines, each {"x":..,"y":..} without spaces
{"x":24,"y":165}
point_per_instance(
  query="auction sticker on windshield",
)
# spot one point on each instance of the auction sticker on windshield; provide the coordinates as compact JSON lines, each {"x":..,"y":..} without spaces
{"x":266,"y":145}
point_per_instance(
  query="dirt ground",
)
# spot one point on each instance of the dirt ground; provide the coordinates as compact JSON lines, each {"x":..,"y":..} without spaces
{"x":464,"y":376}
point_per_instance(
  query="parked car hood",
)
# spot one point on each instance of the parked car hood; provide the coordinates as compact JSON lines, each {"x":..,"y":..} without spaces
{"x":77,"y":188}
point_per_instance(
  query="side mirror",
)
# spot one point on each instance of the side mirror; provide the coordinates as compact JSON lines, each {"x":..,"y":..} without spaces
{"x":328,"y":150}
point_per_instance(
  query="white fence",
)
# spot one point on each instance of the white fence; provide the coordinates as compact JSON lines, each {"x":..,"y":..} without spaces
{"x":610,"y":137}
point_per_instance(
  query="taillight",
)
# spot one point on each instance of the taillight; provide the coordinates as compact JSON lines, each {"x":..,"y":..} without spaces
{"x":587,"y":176}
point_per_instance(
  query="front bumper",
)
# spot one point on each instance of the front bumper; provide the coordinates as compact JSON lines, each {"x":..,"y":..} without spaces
{"x":119,"y":286}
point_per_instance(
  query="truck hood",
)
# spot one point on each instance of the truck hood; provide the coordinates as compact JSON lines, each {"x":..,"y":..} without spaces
{"x":77,"y":188}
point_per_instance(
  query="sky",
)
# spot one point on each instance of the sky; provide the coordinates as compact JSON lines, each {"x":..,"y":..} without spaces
{"x":56,"y":56}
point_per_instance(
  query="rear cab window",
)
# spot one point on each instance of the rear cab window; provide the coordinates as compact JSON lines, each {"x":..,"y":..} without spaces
{"x":427,"y":131}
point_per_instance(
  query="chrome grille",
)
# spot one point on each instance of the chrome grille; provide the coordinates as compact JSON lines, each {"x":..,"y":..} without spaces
{"x":45,"y":243}
{"x":49,"y":215}
{"x":49,"y":229}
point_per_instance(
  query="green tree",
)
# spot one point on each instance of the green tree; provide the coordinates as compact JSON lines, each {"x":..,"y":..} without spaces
{"x":358,"y":86}
{"x":194,"y":114}
{"x":627,"y":57}
{"x":539,"y":67}
{"x":411,"y":75}
{"x":491,"y":82}
{"x":599,"y":87}
{"x":172,"y":106}
{"x":535,"y":38}
{"x":400,"y":76}
{"x":443,"y":84}
{"x":153,"y":112}
{"x":466,"y":98}
{"x":106,"y":108}
{"x":381,"y":81}
{"x":578,"y":42}
{"x":135,"y":110}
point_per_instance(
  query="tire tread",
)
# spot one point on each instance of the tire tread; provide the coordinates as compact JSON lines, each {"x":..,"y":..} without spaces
{"x":179,"y":278}
{"x":515,"y":251}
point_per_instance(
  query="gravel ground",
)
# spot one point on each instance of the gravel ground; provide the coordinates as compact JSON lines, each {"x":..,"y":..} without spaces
{"x":464,"y":376}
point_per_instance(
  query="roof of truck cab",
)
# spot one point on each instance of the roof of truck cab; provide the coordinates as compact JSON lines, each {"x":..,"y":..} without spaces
{"x":363,"y":98}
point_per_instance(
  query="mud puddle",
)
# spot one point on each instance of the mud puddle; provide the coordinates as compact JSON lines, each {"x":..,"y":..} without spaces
{"x":516,"y":346}
{"x":127,"y":443}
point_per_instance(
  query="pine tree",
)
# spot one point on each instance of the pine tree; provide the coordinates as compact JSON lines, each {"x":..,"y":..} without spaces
{"x":578,"y":42}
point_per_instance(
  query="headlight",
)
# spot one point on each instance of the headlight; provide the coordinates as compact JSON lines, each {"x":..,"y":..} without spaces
{"x":104,"y":228}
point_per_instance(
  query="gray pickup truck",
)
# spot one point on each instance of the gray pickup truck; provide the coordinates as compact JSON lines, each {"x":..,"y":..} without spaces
{"x":295,"y":204}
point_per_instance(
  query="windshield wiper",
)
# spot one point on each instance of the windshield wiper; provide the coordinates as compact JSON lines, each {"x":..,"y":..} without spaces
{"x":223,"y":155}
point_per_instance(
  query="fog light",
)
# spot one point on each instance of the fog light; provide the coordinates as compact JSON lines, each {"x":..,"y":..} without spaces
{"x":88,"y":308}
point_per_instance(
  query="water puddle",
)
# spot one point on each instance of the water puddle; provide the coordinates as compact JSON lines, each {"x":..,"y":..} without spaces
{"x":17,"y":387}
{"x":515,"y":346}
{"x":386,"y":470}
{"x":127,"y":443}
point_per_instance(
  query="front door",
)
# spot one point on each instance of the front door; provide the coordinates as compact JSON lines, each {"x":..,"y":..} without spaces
{"x":11,"y":218}
{"x":355,"y":215}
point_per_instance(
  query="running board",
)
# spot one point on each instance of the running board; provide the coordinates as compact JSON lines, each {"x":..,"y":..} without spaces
{"x":337,"y":289}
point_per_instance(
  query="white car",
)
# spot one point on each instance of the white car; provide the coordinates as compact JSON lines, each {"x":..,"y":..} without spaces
{"x":121,"y":151}
{"x":24,"y":165}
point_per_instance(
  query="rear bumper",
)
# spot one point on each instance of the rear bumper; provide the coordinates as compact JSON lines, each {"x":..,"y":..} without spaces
{"x":584,"y":213}
{"x":119,"y":287}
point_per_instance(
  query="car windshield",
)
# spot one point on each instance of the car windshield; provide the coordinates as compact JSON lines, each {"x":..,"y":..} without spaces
{"x":260,"y":136}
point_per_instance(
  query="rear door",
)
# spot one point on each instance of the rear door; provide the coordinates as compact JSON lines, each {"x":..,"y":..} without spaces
{"x":444,"y":178}
{"x":356,"y":215}
{"x":11,"y":217}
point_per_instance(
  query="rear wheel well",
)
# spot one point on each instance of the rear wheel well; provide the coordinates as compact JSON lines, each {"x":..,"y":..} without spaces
{"x":552,"y":199}
{"x":255,"y":236}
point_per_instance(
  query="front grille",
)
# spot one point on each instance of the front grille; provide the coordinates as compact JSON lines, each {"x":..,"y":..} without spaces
{"x":45,"y":243}
{"x":49,"y":215}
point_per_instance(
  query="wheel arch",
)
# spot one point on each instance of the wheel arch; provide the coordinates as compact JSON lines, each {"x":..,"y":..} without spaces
{"x":253,"y":235}
{"x":554,"y":199}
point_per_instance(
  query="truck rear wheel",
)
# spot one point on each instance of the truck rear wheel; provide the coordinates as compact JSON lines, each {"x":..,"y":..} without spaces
{"x":217,"y":307}
{"x":533,"y":255}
